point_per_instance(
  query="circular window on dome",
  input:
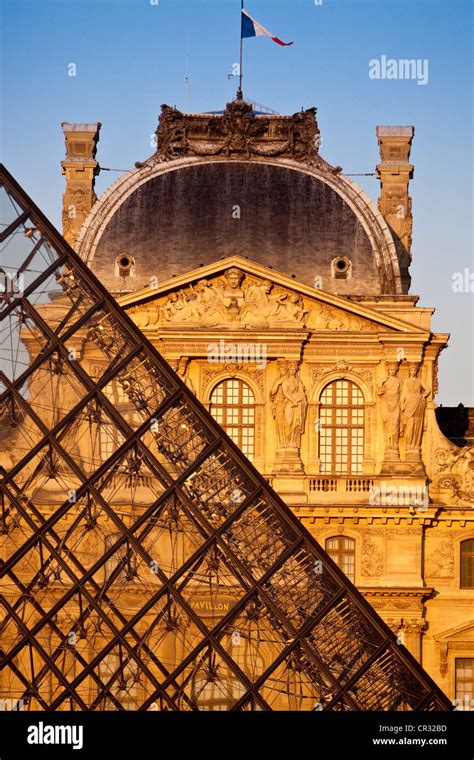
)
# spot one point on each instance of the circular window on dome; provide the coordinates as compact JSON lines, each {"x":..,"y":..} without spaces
{"x":125,"y":265}
{"x":341,"y":268}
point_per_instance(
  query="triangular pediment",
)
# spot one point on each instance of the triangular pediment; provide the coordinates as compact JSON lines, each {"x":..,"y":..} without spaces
{"x":239,"y":294}
{"x":461,"y":633}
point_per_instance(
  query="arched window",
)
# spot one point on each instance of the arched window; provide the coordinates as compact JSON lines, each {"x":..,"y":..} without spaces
{"x":341,"y":549}
{"x":467,"y":563}
{"x":233,"y":406}
{"x":341,"y":434}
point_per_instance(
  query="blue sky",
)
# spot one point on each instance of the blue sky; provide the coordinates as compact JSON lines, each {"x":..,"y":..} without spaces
{"x":130,"y":57}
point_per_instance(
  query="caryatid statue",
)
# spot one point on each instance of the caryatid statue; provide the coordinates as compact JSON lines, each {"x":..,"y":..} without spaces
{"x":290,"y":410}
{"x":278,"y":403}
{"x":413,"y":405}
{"x":180,"y":366}
{"x":390,"y":391}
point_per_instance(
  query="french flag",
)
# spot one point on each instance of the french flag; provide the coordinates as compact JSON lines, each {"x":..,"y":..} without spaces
{"x":251,"y":28}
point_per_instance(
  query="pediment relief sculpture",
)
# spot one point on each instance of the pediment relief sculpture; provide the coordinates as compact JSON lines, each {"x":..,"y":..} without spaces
{"x":233,"y":301}
{"x":237,"y":300}
{"x":325,"y":317}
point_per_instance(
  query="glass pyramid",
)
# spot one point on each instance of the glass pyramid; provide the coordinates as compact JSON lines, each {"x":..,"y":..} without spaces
{"x":146,"y":564}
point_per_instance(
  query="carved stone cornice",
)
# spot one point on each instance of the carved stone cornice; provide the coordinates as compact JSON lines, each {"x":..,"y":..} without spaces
{"x":397,"y":598}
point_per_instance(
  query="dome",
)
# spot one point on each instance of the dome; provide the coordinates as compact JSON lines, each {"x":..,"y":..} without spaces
{"x":302,"y":218}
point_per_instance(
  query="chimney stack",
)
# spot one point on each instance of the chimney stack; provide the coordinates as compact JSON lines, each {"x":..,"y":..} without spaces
{"x":395,"y":172}
{"x":80,"y":168}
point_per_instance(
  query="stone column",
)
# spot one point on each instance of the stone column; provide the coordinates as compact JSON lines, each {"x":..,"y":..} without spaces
{"x":80,"y":168}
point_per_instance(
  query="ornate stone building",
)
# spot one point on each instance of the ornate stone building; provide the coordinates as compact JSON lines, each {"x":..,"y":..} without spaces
{"x":281,"y":295}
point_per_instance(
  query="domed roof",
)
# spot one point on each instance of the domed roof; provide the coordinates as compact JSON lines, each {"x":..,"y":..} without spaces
{"x":274,"y":201}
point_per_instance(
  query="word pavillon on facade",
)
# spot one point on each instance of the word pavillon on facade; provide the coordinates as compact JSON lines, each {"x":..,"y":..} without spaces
{"x":100,"y":592}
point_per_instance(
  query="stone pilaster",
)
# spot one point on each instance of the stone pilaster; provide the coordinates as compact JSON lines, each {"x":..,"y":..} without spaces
{"x":80,"y":168}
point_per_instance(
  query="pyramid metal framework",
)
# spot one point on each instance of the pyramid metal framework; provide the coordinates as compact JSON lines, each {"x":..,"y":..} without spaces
{"x":165,"y":573}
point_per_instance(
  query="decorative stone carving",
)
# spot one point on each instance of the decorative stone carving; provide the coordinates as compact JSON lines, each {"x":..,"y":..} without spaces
{"x":414,"y":626}
{"x":325,"y":317}
{"x":289,"y":404}
{"x":278,"y":404}
{"x":398,"y":600}
{"x":390,"y":390}
{"x":341,"y":366}
{"x":262,"y":306}
{"x":443,"y":658}
{"x":372,"y":558}
{"x":289,"y":408}
{"x":413,"y":405}
{"x":295,"y":408}
{"x":234,"y":301}
{"x":396,"y":531}
{"x":455,"y":470}
{"x":238,"y":133}
{"x":180,"y":366}
{"x":208,"y":373}
{"x":440,"y":562}
{"x":142,"y":316}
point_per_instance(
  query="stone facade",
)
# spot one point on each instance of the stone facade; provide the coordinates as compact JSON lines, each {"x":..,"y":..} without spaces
{"x":221,"y":311}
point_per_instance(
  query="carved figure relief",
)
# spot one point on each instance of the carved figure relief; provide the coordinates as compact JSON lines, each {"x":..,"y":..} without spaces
{"x":440,"y":562}
{"x":233,"y":301}
{"x":289,"y":406}
{"x":180,"y":366}
{"x":455,"y":470}
{"x":389,"y":391}
{"x":325,"y":317}
{"x":278,"y":404}
{"x":372,"y":558}
{"x":413,"y":405}
{"x":240,"y":301}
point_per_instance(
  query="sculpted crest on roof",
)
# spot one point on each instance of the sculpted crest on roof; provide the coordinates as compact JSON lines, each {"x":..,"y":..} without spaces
{"x":240,"y":133}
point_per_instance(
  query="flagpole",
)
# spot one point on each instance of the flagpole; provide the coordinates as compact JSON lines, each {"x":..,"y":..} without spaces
{"x":239,"y":91}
